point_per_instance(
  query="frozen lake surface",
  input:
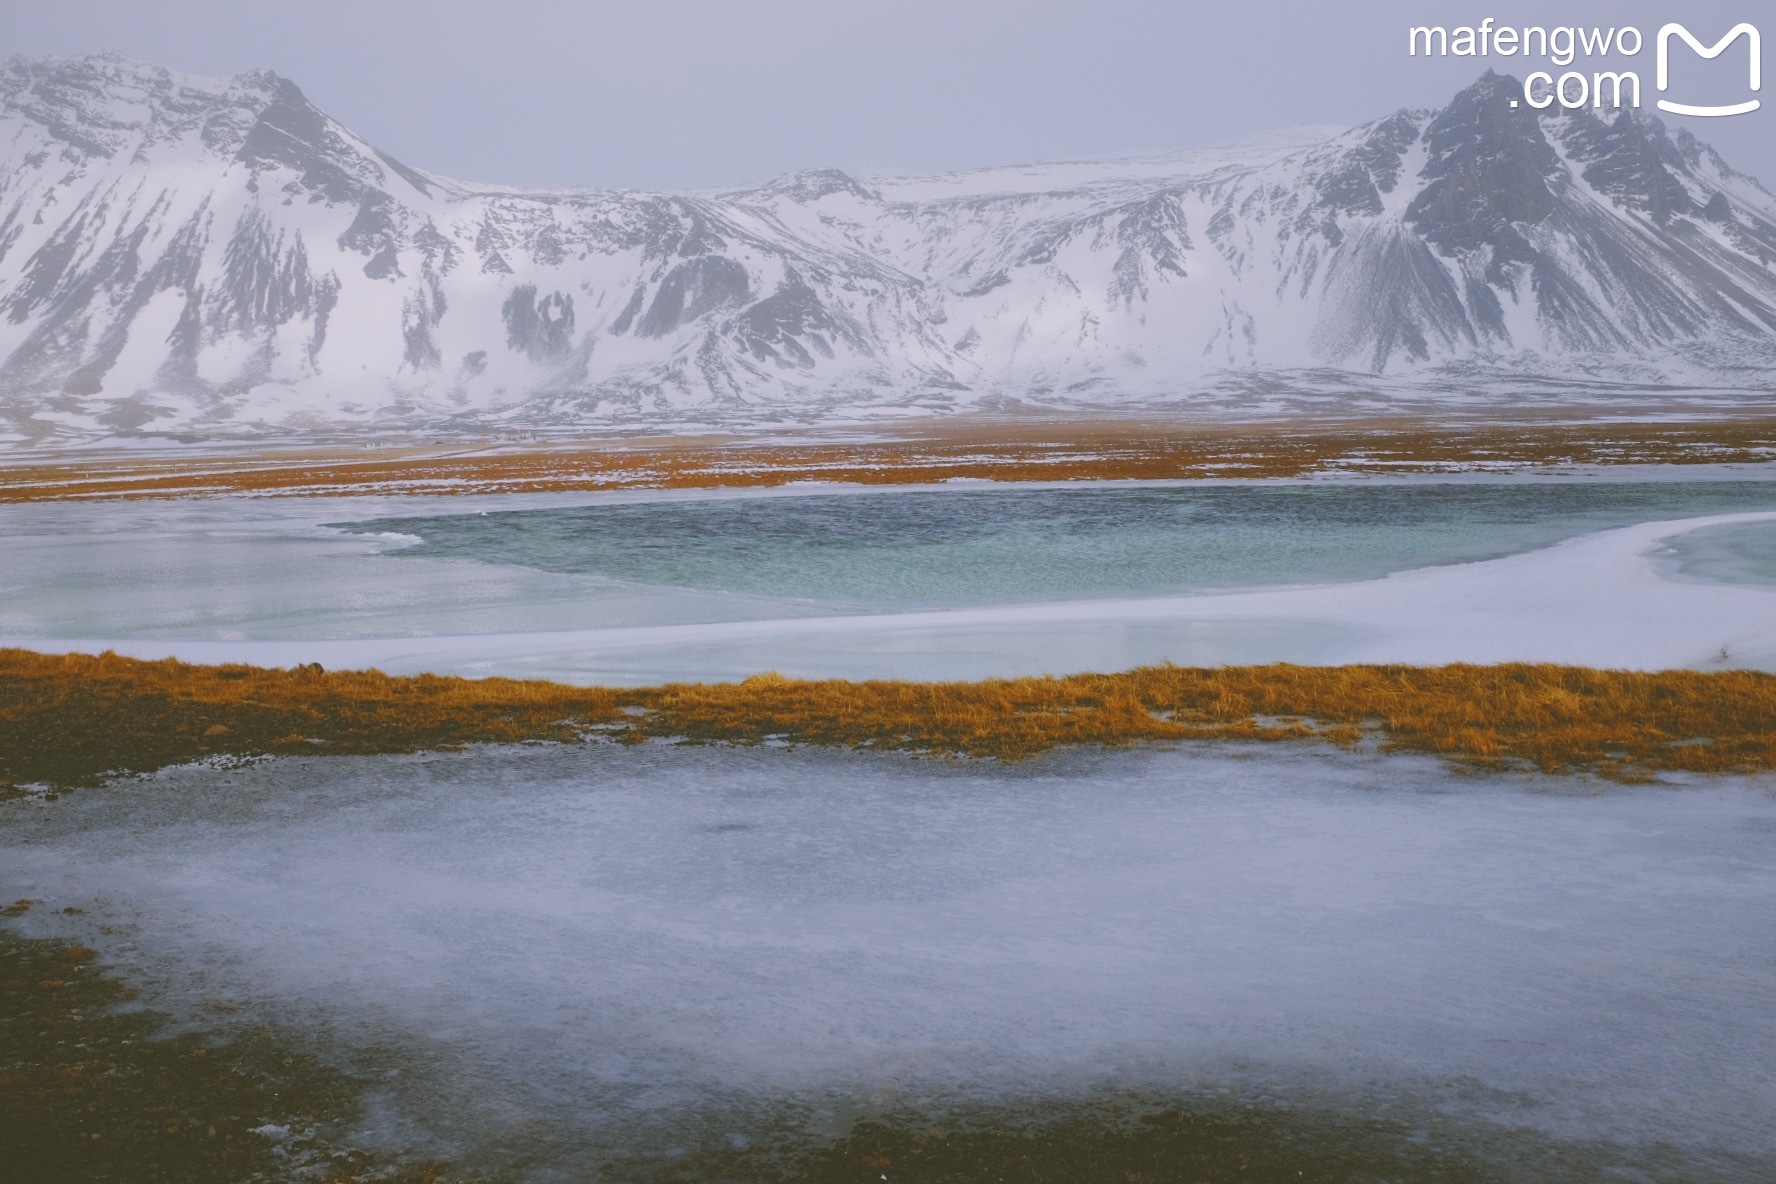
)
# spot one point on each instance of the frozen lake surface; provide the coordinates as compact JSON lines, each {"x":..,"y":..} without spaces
{"x":944,"y":583}
{"x":1741,"y":553}
{"x":888,"y":551}
{"x":570,"y":950}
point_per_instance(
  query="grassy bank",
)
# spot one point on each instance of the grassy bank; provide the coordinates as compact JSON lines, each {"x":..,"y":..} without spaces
{"x":68,"y":719}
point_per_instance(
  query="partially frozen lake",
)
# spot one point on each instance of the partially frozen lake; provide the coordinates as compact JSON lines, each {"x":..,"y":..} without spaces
{"x":880,"y":551}
{"x":570,"y":951}
{"x":920,"y":583}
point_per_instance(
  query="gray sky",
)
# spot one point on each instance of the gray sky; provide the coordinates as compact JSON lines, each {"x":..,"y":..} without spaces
{"x":702,"y":93}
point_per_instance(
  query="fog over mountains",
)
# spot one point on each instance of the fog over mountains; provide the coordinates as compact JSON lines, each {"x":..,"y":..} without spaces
{"x":215,"y":257}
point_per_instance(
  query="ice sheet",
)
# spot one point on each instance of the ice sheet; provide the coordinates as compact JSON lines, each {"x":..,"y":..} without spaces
{"x":903,"y":550}
{"x":1743,"y":553}
{"x":241,"y":569}
{"x":564,"y":944}
{"x":1600,"y":600}
{"x":1029,"y":574}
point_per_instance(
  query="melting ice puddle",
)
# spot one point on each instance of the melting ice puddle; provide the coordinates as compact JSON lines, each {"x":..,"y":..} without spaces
{"x":571,"y":943}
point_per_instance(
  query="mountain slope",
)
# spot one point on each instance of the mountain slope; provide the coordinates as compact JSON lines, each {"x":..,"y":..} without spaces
{"x":207,"y":256}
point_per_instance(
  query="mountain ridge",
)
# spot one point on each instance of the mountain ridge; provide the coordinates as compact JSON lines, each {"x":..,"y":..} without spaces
{"x":218,"y":257}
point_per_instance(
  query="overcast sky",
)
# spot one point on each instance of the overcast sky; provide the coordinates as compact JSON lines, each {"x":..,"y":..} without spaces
{"x":706,"y":93}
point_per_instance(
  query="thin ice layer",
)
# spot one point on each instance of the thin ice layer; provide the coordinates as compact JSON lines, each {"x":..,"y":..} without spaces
{"x":577,"y":939}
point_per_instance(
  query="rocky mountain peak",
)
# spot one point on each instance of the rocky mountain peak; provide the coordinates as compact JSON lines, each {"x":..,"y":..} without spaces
{"x":1631,"y":158}
{"x":811,"y":185}
{"x":1372,"y":168}
{"x":98,"y":105}
{"x":1488,"y":167}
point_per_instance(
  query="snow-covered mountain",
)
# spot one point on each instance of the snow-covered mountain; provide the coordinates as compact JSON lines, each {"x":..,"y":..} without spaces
{"x":190,"y":255}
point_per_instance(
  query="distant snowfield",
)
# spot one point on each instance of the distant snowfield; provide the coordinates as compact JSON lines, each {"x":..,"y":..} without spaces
{"x":1607,"y":599}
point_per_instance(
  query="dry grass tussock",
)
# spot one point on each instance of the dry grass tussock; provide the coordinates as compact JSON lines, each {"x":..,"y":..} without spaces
{"x":1001,"y":451}
{"x":67,"y":719}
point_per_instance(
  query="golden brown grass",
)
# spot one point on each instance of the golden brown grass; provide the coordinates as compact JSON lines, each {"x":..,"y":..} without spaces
{"x":1003,"y":451}
{"x":67,"y":719}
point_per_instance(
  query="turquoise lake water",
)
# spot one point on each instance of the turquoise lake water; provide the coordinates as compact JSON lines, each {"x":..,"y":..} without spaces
{"x":941,"y":549}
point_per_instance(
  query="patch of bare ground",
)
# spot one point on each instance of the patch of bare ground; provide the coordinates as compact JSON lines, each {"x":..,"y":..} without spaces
{"x":94,"y":1089}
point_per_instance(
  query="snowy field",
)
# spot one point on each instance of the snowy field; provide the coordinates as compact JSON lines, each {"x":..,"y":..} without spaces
{"x":557,"y":952}
{"x":928,"y":584}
